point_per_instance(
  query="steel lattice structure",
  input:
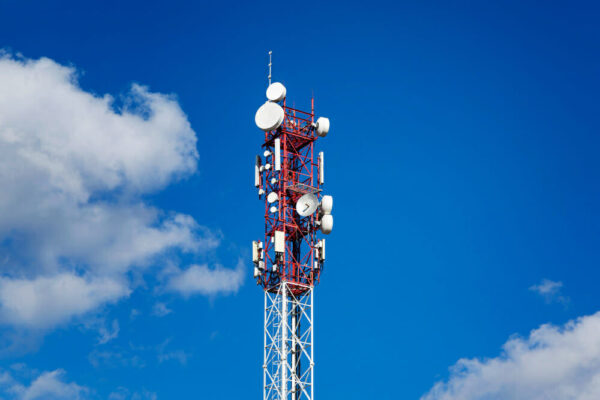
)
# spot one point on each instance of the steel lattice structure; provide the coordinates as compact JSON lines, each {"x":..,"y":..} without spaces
{"x":288,"y":368}
{"x":295,"y":178}
{"x":289,"y":262}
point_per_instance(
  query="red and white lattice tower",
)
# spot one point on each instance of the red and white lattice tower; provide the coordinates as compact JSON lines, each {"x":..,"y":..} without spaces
{"x":289,"y":176}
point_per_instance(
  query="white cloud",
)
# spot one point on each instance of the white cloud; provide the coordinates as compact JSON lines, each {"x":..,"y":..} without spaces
{"x":80,"y":142}
{"x":168,"y":355}
{"x":547,"y":287}
{"x":553,"y":363}
{"x":46,"y":301}
{"x":134,"y":313}
{"x":126,"y":394}
{"x":176,"y":355}
{"x":74,"y":168}
{"x":108,"y":334}
{"x":20,"y":382}
{"x":161,"y":309}
{"x":550,"y":291}
{"x":116,"y":359}
{"x":50,"y":385}
{"x":200,"y":279}
{"x":46,"y":386}
{"x":138,"y":356}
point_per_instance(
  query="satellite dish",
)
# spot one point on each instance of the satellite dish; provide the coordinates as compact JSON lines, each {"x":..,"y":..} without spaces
{"x":307,"y":204}
{"x":269,"y":116}
{"x":276,"y":92}
{"x":327,"y":204}
{"x":322,"y":126}
{"x":327,"y":224}
{"x":272,"y":197}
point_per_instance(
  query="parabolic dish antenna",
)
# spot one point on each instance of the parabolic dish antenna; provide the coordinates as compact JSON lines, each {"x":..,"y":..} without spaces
{"x":276,"y":92}
{"x":327,"y":224}
{"x":269,"y":116}
{"x":327,"y":204}
{"x":322,"y":126}
{"x":272,"y":197}
{"x":307,"y":204}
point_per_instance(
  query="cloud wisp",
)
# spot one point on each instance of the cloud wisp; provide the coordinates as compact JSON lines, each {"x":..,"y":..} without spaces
{"x":553,"y":363}
{"x":200,"y":279}
{"x":19,"y":382}
{"x":550,"y":291}
{"x":160,"y":310}
{"x":126,"y":394}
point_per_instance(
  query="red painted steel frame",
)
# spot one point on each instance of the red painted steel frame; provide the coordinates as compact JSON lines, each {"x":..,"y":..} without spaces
{"x":298,"y":176}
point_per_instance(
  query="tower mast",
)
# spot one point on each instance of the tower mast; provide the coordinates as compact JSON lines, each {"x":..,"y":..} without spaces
{"x":289,"y":176}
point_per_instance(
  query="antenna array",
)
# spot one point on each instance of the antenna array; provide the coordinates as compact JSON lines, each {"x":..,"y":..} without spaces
{"x":290,"y":260}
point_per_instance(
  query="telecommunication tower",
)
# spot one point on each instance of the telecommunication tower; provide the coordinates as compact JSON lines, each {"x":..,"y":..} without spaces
{"x":289,"y":262}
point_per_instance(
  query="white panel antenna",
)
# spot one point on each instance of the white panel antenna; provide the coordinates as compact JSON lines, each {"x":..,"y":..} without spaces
{"x":321,"y":168}
{"x":257,"y":172}
{"x":254,"y":251}
{"x":277,"y":154}
{"x":279,"y":241}
{"x":322,"y":250}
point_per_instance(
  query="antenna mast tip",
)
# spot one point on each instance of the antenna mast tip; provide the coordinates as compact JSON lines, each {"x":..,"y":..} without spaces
{"x":270,"y":64}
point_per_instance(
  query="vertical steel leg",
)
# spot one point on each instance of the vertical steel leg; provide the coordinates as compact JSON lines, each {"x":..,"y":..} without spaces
{"x":284,"y":338}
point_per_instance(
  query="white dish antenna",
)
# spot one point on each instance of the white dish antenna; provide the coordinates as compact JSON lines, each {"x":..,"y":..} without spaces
{"x":269,"y":116}
{"x":276,"y":92}
{"x":327,"y":204}
{"x":327,"y":224}
{"x":272,"y":197}
{"x":322,"y":126}
{"x":307,"y":205}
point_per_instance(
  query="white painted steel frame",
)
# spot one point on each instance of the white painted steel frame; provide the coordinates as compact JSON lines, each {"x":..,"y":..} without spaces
{"x":288,"y":369}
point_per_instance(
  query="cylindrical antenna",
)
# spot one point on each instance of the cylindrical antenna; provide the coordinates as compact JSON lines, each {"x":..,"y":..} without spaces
{"x":270,"y":64}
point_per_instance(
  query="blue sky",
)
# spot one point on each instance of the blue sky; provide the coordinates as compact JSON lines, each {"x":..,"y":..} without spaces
{"x":462,"y":158}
